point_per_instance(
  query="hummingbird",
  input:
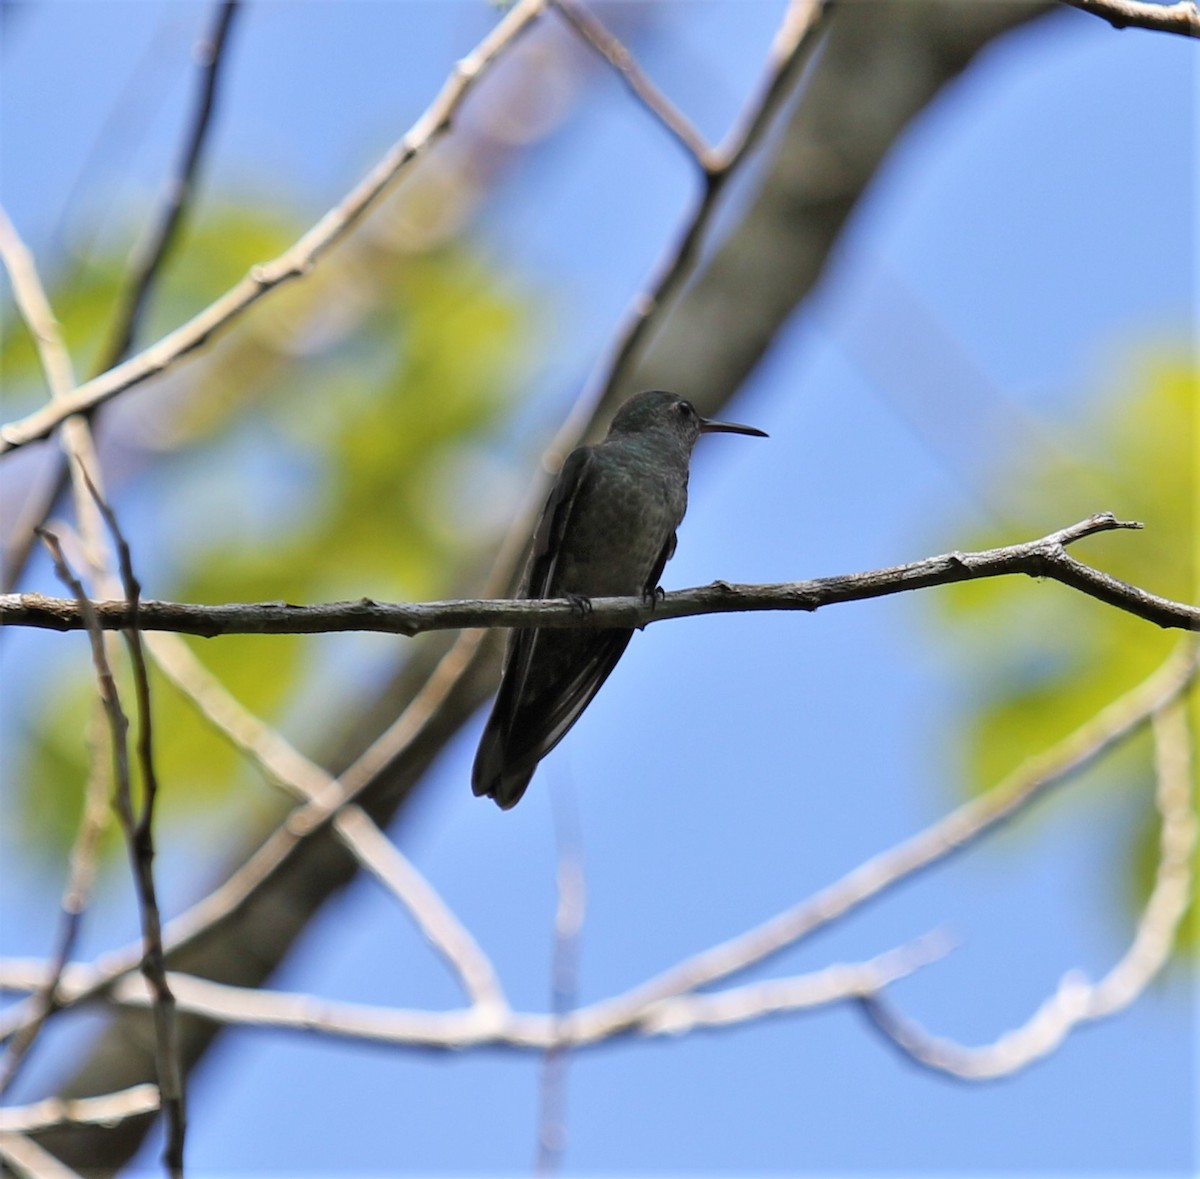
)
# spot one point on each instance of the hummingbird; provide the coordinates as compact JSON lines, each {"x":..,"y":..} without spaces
{"x":607,"y":530}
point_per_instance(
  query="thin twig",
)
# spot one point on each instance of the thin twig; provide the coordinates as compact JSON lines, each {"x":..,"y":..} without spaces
{"x":1078,"y":1001}
{"x":139,"y":840}
{"x":38,"y":316}
{"x":793,"y":43}
{"x":301,"y":257}
{"x":950,"y":834}
{"x":105,"y":1110}
{"x":679,"y":1014}
{"x":34,"y":308}
{"x":28,"y":1159}
{"x":593,"y":32}
{"x":139,"y":834}
{"x":1182,"y":17}
{"x":527,"y":1032}
{"x":76,"y":895}
{"x":641,"y":1009}
{"x":76,"y":440}
{"x":286,"y":766}
{"x":1045,"y":558}
{"x":146,"y":264}
{"x":564,"y":983}
{"x":152,"y":252}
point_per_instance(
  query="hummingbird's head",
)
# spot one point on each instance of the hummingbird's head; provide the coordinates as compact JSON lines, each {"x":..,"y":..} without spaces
{"x":657,"y":411}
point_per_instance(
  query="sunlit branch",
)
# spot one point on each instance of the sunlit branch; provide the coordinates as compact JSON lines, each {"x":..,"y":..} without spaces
{"x":145,"y":267}
{"x":1078,"y":1001}
{"x":1182,"y":17}
{"x":106,"y":1110}
{"x":297,"y":260}
{"x":38,"y":316}
{"x":304,"y":779}
{"x":950,"y":834}
{"x":79,"y":451}
{"x":26,"y":1158}
{"x":478,"y":1027}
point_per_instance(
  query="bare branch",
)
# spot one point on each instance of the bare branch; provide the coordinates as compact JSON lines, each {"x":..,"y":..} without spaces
{"x":76,"y":896}
{"x":794,"y":41}
{"x":1043,"y":558}
{"x":610,"y":48}
{"x":644,"y":1008}
{"x":1078,"y":1001}
{"x":297,"y":260}
{"x":138,"y":829}
{"x":154,"y":249}
{"x":76,"y":439}
{"x":564,"y":982}
{"x":958,"y":829}
{"x":476,"y":1027}
{"x":29,"y":1159}
{"x":1182,"y":17}
{"x":684,"y":1013}
{"x":145,"y":267}
{"x":55,"y":1111}
{"x":35,"y":310}
{"x":286,"y":766}
{"x":139,"y":836}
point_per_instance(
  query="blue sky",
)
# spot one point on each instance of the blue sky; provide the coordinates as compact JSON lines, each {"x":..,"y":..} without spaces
{"x":1039,"y":213}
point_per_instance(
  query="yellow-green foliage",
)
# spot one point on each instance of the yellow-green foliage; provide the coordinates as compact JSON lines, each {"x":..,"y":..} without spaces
{"x":298,"y":457}
{"x":1045,"y":660}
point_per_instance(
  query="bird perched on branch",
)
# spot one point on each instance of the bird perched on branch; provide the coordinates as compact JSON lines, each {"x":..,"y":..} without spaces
{"x":607,"y":530}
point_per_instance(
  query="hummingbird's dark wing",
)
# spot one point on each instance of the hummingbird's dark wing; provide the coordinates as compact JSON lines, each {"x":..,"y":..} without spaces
{"x":668,"y":551}
{"x":550,"y":676}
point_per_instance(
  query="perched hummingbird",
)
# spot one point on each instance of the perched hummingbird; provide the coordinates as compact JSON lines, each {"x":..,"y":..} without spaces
{"x":607,"y":530}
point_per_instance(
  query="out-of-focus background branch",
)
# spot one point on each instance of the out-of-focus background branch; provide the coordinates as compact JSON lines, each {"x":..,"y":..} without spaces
{"x":149,"y":256}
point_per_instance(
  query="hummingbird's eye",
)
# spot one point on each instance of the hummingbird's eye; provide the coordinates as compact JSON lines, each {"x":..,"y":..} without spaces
{"x":685,"y":409}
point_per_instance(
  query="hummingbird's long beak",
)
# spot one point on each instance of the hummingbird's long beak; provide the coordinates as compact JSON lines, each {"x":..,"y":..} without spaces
{"x":708,"y":426}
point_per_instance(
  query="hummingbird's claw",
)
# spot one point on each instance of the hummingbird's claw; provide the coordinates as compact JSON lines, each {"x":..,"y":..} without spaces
{"x":652,"y":597}
{"x":579,"y":603}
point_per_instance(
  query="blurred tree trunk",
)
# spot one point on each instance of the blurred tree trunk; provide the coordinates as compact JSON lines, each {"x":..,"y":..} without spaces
{"x":880,"y":65}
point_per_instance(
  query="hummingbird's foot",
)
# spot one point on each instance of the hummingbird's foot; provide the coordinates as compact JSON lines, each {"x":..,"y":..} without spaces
{"x":579,"y":603}
{"x":652,"y":599}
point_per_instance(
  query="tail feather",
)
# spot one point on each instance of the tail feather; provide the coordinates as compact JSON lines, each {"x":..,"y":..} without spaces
{"x":492,"y":775}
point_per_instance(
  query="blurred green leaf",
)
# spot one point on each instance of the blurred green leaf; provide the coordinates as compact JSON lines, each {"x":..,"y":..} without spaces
{"x":1050,"y":657}
{"x":300,"y":457}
